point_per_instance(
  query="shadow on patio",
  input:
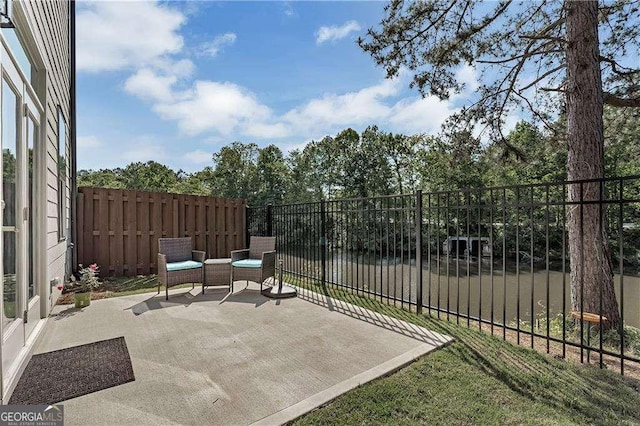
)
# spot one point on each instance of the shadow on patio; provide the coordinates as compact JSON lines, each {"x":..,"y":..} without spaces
{"x":219,"y":358}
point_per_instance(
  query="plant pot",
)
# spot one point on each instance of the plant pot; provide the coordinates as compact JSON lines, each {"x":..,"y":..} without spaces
{"x":82,"y":299}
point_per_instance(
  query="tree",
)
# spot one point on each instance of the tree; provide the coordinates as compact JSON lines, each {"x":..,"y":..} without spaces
{"x":401,"y":151}
{"x":197,"y":183}
{"x":540,"y":158}
{"x":621,"y":136}
{"x":524,"y":51}
{"x":103,"y":178}
{"x":234,"y":173}
{"x":272,"y":176}
{"x":149,"y":176}
{"x":305,"y":182}
{"x":450,"y":161}
{"x":367,"y":172}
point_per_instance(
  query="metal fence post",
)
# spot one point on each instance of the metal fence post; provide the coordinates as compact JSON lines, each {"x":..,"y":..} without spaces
{"x":269,"y":220}
{"x":323,"y":241}
{"x":419,"y":250}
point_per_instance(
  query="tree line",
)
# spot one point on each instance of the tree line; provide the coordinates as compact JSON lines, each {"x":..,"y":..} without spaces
{"x":375,"y":162}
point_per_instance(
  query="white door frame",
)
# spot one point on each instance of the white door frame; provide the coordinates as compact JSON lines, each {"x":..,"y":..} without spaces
{"x":15,"y":336}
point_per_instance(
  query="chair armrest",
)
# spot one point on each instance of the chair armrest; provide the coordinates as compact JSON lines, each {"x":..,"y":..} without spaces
{"x":198,"y":255}
{"x":239,"y":255}
{"x":162,"y":269}
{"x":162,"y":262}
{"x":269,"y":259}
{"x":268,"y":265}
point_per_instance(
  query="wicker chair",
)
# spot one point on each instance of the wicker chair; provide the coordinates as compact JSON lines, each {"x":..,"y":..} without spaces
{"x":178,"y":263}
{"x":257,"y":263}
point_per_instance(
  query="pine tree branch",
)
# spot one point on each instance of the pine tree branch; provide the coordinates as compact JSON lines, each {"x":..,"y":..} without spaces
{"x":615,"y":65}
{"x":542,"y":77}
{"x":553,"y":89}
{"x":523,"y":56}
{"x":617,"y":101}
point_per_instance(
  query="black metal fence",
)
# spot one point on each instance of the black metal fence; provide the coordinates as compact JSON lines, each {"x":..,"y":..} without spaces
{"x":491,"y":257}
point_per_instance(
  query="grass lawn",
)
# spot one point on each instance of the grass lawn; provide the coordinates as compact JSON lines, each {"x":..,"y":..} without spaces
{"x":480,"y":379}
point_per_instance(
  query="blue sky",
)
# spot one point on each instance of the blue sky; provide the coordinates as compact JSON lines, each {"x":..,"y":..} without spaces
{"x":175,"y":81}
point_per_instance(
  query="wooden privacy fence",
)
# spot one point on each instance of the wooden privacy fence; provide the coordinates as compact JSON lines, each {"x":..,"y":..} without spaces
{"x":119,"y":229}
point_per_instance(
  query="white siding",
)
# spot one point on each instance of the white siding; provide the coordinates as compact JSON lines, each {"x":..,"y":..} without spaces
{"x":49,"y":21}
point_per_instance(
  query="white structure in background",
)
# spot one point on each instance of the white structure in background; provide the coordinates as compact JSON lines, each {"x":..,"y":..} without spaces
{"x":38,"y":169}
{"x":467,"y":246}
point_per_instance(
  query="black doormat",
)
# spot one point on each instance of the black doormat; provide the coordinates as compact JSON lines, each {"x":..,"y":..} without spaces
{"x":56,"y":376}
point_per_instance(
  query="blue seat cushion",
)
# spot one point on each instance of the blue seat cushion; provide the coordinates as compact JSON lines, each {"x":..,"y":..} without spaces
{"x":248,"y":263}
{"x":186,"y":264}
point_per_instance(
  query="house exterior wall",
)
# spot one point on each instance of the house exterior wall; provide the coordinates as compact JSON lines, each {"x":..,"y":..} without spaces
{"x":44,"y":33}
{"x":49,"y":25}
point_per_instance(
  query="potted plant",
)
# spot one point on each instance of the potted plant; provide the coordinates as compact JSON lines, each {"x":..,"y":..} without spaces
{"x":82,"y":287}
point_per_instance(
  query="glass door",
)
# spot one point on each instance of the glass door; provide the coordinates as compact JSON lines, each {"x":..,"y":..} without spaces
{"x":13,"y":337}
{"x":10,"y":177}
{"x":20,"y":124}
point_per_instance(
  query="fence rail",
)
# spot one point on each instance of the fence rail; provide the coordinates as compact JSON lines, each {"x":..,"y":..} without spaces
{"x":496,"y":258}
{"x":119,"y":229}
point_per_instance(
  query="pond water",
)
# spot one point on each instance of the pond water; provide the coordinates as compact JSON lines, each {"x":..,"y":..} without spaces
{"x":479,"y":292}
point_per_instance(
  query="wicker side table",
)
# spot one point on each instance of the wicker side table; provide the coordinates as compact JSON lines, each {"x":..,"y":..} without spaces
{"x":217,"y":272}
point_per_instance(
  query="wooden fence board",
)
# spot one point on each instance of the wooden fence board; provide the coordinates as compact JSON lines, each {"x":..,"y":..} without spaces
{"x":102,"y":244}
{"x":156,"y":219}
{"x":116,"y":241}
{"x":201,"y":225}
{"x":79,"y":222}
{"x":131,"y":242}
{"x":190,"y":217}
{"x":176,"y":217}
{"x":144,"y":248}
{"x":220,"y":225}
{"x":119,"y":229}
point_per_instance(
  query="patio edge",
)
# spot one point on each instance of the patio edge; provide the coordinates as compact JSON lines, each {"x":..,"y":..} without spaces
{"x":322,"y":398}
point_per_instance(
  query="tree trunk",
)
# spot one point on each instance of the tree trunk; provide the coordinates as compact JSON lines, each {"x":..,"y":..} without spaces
{"x":592,"y":287}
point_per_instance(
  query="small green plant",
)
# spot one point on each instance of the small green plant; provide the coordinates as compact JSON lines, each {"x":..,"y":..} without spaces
{"x":88,"y":280}
{"x":610,"y":338}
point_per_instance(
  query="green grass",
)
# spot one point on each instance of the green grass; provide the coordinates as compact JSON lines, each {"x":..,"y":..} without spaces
{"x":480,"y":379}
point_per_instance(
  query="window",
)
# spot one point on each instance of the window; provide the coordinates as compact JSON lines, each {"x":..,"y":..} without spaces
{"x":62,"y":176}
{"x":18,"y":51}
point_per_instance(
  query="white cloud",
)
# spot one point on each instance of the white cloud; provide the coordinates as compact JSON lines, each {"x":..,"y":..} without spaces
{"x":362,"y":107}
{"x":88,"y":142}
{"x":198,"y":156}
{"x":182,"y":68}
{"x":334,"y":32}
{"x":224,"y":109}
{"x":420,"y":115}
{"x":126,"y":35}
{"x":212,"y":106}
{"x":212,"y":48}
{"x":148,"y":85}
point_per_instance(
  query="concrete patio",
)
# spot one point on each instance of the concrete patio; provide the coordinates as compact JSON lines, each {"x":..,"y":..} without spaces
{"x":240,"y":358}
